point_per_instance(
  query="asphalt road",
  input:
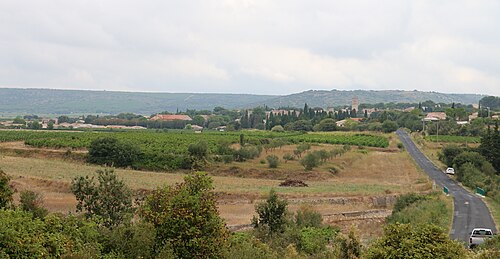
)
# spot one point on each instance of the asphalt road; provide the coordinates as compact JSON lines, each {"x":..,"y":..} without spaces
{"x":469,"y":209}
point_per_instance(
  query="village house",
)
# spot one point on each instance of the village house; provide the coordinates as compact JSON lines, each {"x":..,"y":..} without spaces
{"x":341,"y":123}
{"x":435,"y":116}
{"x":170,"y":117}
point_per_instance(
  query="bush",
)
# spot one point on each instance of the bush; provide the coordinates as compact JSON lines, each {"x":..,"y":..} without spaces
{"x":448,"y":153}
{"x":186,"y":219}
{"x":247,"y":152}
{"x":307,"y":217}
{"x":419,"y":241}
{"x":198,"y":150}
{"x":313,"y":240}
{"x":109,"y":199}
{"x":33,"y":202}
{"x":389,"y":126}
{"x":273,"y":161}
{"x":288,"y":157}
{"x":132,"y":240}
{"x":246,"y":246}
{"x":21,"y":236}
{"x":271,"y":214}
{"x":5,"y":190}
{"x":406,"y":200}
{"x":109,"y":151}
{"x":278,"y":128}
{"x":310,"y":161}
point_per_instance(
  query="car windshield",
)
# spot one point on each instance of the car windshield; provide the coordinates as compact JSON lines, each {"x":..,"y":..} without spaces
{"x":482,"y":232}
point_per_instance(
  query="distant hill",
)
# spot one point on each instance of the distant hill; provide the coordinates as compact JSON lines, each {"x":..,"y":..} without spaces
{"x":316,"y":98}
{"x":50,"y":101}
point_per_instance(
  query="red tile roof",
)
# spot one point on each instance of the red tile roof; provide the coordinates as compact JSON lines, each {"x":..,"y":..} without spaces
{"x":170,"y":117}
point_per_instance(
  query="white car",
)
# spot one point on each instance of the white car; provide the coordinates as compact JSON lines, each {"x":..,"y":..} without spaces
{"x":450,"y":170}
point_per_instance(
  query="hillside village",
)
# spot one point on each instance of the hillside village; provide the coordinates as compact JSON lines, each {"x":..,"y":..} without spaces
{"x":345,"y":117}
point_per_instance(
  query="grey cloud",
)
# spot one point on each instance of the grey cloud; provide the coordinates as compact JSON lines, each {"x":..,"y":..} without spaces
{"x":251,"y":46}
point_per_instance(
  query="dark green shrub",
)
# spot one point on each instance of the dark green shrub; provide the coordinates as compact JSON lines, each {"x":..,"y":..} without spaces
{"x":389,"y":126}
{"x":112,"y":152}
{"x":448,"y":153}
{"x":272,"y":161}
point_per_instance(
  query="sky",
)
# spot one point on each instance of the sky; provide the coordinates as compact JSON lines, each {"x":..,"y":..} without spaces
{"x":251,"y":46}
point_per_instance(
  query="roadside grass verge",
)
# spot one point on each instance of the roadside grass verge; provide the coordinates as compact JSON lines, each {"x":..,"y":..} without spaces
{"x":434,"y":208}
{"x":495,"y":210}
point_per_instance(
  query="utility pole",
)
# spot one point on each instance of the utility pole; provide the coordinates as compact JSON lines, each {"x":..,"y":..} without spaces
{"x":437,"y":132}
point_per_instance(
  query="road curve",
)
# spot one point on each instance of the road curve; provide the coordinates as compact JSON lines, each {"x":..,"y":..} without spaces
{"x":469,"y":209}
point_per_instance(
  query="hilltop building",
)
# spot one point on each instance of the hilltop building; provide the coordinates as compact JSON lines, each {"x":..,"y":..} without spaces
{"x":355,"y":104}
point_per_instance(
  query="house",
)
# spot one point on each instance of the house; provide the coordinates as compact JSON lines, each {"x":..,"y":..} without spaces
{"x":342,"y":123}
{"x":473,"y":116}
{"x":196,"y":128}
{"x":170,"y":117}
{"x":435,"y":116}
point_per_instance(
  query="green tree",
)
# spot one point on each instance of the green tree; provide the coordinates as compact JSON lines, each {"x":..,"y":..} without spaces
{"x":5,"y":190}
{"x":310,"y":161}
{"x":420,"y":241}
{"x":198,"y":120}
{"x":271,"y":213}
{"x":112,"y":152}
{"x":108,"y":198}
{"x":21,"y":236}
{"x":389,"y":126}
{"x":448,"y":153}
{"x":50,"y":125}
{"x":326,"y":125}
{"x":273,"y":161}
{"x":186,"y":219}
{"x":19,"y":120}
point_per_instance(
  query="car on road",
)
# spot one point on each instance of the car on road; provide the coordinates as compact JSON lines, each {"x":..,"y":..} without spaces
{"x":450,"y":170}
{"x":479,"y":236}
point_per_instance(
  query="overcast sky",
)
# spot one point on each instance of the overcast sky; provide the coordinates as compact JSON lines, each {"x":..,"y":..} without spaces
{"x":251,"y":46}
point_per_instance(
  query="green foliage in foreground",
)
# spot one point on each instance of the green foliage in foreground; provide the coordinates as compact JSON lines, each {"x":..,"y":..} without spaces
{"x":415,"y":241}
{"x":5,"y":190}
{"x":186,"y":219}
{"x":108,"y":198}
